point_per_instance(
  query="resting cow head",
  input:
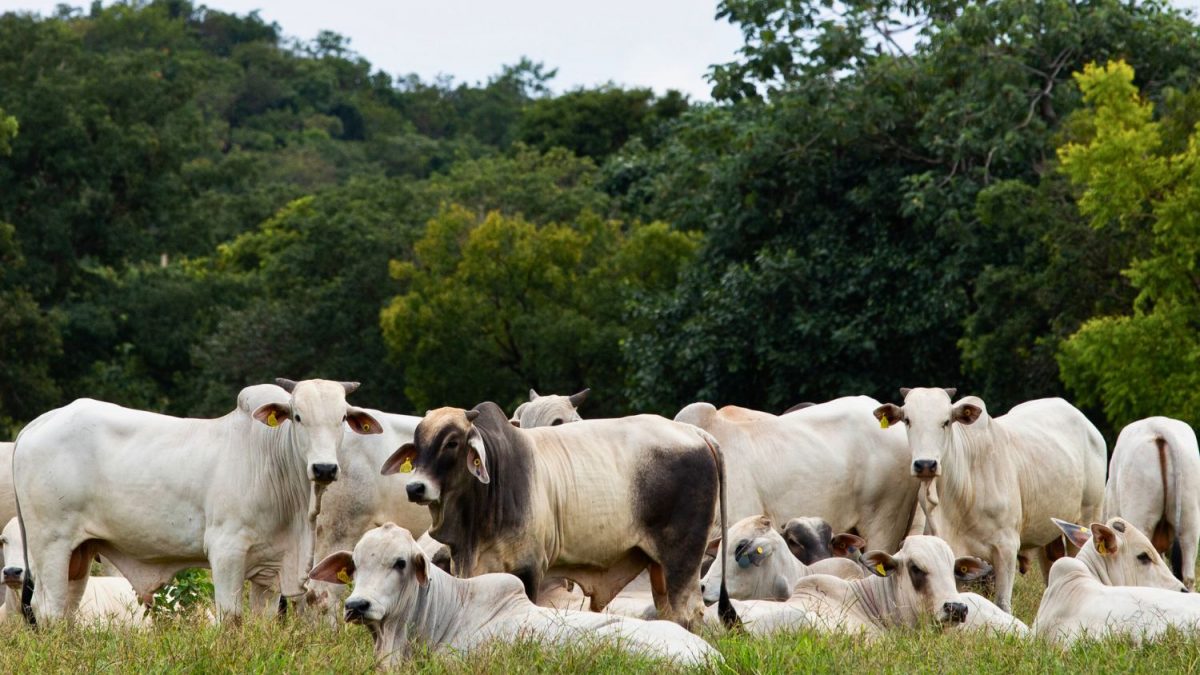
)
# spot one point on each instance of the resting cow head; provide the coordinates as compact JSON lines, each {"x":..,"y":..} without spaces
{"x":811,"y":539}
{"x":1119,"y":554}
{"x":922,"y":575}
{"x":446,"y":450}
{"x":930,"y":416}
{"x":390,"y":573}
{"x":316,"y":410}
{"x":757,"y":564}
{"x":13,"y":550}
{"x":549,"y":411}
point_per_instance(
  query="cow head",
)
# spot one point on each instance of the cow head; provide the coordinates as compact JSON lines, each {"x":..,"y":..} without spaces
{"x":1119,"y":554}
{"x":12,"y":550}
{"x":549,"y":411}
{"x":390,"y":574}
{"x":929,"y":417}
{"x":446,"y":449}
{"x":756,"y":566}
{"x":811,"y":540}
{"x":923,"y":575}
{"x":316,"y":410}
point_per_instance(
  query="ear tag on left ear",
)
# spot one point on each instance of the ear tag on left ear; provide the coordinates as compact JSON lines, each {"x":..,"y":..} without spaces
{"x":883,"y":423}
{"x":759,"y":549}
{"x":963,"y":569}
{"x":478,"y":471}
{"x":879,"y":568}
{"x":366,"y":426}
{"x":406,"y":467}
{"x":1100,"y":547}
{"x":342,"y":576}
{"x":272,"y":421}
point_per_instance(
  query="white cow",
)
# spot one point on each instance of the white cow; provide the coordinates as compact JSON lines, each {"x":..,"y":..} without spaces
{"x":361,"y":499}
{"x":548,"y":411}
{"x":106,"y":600}
{"x":759,"y":566}
{"x":159,"y":494}
{"x":8,"y":503}
{"x":1154,"y":483}
{"x":1000,"y":480}
{"x":915,"y":585}
{"x":829,"y":460}
{"x":406,"y":602}
{"x":1117,"y":585}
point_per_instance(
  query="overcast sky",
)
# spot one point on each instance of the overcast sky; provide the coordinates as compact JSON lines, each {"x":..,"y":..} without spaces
{"x":664,"y":44}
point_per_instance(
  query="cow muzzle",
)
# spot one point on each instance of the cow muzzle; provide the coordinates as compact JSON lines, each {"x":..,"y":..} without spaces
{"x":356,"y":610}
{"x":323,"y":473}
{"x":421,"y":492}
{"x":12,"y":577}
{"x":954,"y":613}
{"x":925,"y":468}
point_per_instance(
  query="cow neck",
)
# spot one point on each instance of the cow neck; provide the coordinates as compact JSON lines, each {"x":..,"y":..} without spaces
{"x":876,"y":599}
{"x":449,"y":609}
{"x":269,"y":467}
{"x":1096,"y":567}
{"x":968,"y":462}
{"x":476,"y":515}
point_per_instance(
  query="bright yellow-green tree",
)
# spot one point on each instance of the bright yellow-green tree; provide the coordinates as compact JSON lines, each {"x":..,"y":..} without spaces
{"x":1132,"y":178}
{"x":495,"y":304}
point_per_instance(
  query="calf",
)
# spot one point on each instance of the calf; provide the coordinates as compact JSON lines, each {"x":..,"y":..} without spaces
{"x":760,"y":567}
{"x":595,"y":501}
{"x":158,"y":494}
{"x":1154,"y":483}
{"x":999,"y":481}
{"x":406,"y":602}
{"x":1117,"y":585}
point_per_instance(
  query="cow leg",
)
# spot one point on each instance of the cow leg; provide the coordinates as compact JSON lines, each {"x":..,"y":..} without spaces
{"x":229,"y":576}
{"x":1005,"y":562}
{"x":51,"y":589}
{"x":531,"y":576}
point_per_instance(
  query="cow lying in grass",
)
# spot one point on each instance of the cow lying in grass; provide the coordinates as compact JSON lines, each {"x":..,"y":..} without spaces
{"x":405,"y":601}
{"x":1117,"y":585}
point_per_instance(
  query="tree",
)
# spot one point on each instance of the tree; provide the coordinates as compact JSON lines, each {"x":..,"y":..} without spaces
{"x":1132,"y":181}
{"x":494,"y":305}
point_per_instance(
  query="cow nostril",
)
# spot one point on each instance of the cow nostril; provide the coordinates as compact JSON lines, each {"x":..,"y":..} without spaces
{"x":925,"y":467}
{"x":12,"y":572}
{"x":325,"y":473}
{"x":956,"y":612}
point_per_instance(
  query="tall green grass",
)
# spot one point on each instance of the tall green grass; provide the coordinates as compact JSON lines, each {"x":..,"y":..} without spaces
{"x":188,"y":644}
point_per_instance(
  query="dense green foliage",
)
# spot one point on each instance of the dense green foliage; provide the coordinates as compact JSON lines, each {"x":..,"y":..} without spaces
{"x":189,"y":204}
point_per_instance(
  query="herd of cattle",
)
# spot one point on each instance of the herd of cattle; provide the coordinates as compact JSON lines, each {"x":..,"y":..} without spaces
{"x":548,"y":525}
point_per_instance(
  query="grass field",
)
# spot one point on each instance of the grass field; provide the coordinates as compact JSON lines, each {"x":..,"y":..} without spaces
{"x":188,"y":644}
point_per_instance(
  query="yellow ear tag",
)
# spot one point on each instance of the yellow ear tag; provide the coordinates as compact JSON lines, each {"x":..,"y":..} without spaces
{"x":272,"y":421}
{"x":406,"y":467}
{"x":879,"y":568}
{"x":883,"y":423}
{"x":1100,"y":547}
{"x":759,"y":549}
{"x":476,"y":461}
{"x":342,"y":576}
{"x":963,"y":569}
{"x":366,"y":426}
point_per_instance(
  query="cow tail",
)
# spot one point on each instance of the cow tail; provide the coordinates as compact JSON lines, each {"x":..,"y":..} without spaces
{"x":725,"y":610}
{"x":1176,"y":548}
{"x":27,"y":585}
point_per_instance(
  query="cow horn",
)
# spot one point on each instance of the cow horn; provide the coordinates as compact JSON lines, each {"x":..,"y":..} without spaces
{"x":577,"y":399}
{"x":904,"y":392}
{"x":471,"y":415}
{"x":533,"y":395}
{"x":286,"y":384}
{"x":950,"y":391}
{"x":350,"y":387}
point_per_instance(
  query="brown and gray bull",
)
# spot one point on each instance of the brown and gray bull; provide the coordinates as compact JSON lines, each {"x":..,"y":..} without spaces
{"x":595,"y":501}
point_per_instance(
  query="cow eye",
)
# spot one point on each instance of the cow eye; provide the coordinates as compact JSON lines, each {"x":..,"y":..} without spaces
{"x":1145,"y":558}
{"x":400,"y":564}
{"x":905,"y":420}
{"x":452,"y":445}
{"x":556,"y":422}
{"x":297,"y":418}
{"x":945,"y":424}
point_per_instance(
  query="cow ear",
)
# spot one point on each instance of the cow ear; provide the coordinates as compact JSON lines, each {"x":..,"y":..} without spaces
{"x":401,"y":460}
{"x":516,"y":423}
{"x":1105,"y":539}
{"x":847,"y":545}
{"x":361,"y":421}
{"x":890,"y":412}
{"x":578,"y":398}
{"x":336,"y":568}
{"x":1078,"y":534}
{"x":713,"y":548}
{"x":880,"y":563}
{"x":420,"y":568}
{"x":272,"y":414}
{"x":969,"y":568}
{"x":477,"y":463}
{"x":966,"y":413}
